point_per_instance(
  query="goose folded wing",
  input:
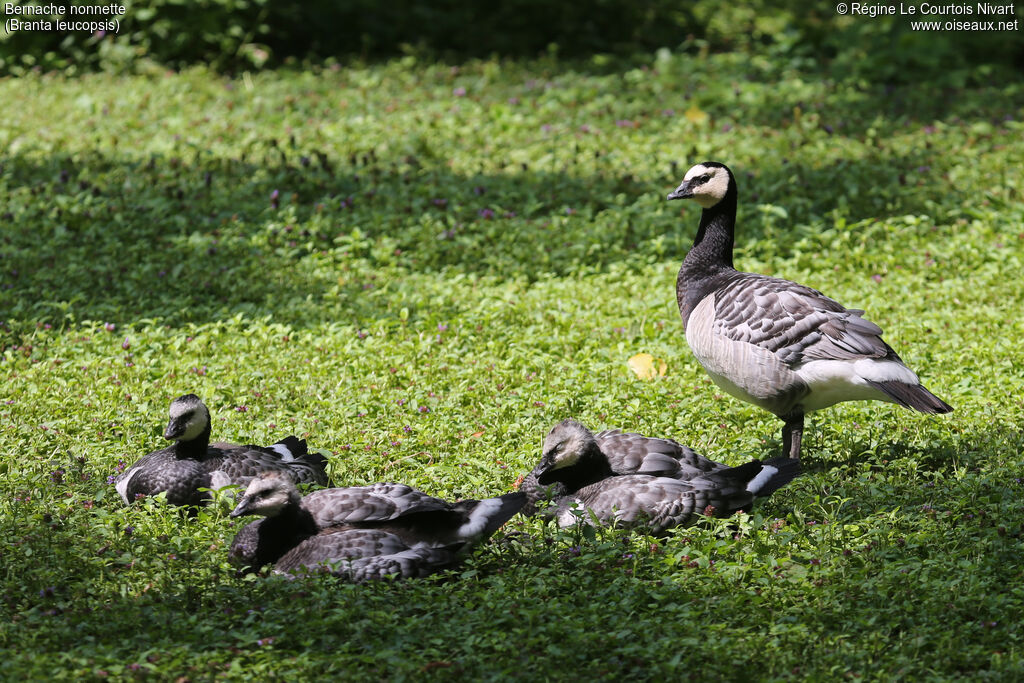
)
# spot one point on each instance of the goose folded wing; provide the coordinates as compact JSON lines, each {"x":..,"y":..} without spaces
{"x":796,"y":323}
{"x":374,"y":503}
{"x":630,"y":453}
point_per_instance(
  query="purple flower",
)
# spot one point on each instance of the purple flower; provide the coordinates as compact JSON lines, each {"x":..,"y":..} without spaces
{"x":126,"y":344}
{"x":275,"y":199}
{"x":424,"y":409}
{"x":439,"y":202}
{"x":112,"y":478}
{"x":361,"y":334}
{"x":486,"y":213}
{"x":538,"y":404}
{"x":625,"y":123}
{"x":407,"y":429}
{"x":129,"y":529}
{"x":442,"y":327}
{"x":513,"y":101}
{"x":459,"y":92}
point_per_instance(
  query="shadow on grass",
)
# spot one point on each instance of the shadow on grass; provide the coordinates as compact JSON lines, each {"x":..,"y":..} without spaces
{"x":308,"y":239}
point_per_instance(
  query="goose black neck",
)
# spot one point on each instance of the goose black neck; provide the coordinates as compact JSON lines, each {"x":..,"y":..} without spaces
{"x":282,"y":532}
{"x":710,"y":258}
{"x":712,"y":249}
{"x":194,"y":449}
{"x":592,"y":467}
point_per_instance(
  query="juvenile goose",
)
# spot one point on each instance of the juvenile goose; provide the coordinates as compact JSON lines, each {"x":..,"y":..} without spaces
{"x":583,"y":477}
{"x":192,"y":462}
{"x":626,"y":453}
{"x":361,"y":532}
{"x":784,"y":347}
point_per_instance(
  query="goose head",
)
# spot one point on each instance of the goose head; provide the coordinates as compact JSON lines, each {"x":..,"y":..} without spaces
{"x":706,"y":183}
{"x":189,"y":418}
{"x":565,"y":445}
{"x":267,"y":495}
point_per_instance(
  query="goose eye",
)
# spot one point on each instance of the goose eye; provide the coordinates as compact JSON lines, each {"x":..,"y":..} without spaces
{"x":704,"y":178}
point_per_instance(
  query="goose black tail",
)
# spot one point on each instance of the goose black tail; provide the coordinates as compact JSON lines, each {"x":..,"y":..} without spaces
{"x":294,"y":445}
{"x":788,"y":469}
{"x":913,"y":396}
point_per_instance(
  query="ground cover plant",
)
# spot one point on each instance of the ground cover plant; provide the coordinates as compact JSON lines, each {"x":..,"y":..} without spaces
{"x":420,"y":268}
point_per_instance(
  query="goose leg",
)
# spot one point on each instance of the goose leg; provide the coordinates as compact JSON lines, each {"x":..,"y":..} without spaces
{"x":792,"y":433}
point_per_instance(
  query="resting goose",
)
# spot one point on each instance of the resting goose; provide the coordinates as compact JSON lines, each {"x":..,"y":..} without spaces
{"x":586,"y":485}
{"x":361,"y":532}
{"x":784,"y":347}
{"x":193,"y":463}
{"x":626,"y":453}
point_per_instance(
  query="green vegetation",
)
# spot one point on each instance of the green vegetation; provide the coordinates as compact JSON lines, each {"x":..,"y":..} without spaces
{"x":420,"y":269}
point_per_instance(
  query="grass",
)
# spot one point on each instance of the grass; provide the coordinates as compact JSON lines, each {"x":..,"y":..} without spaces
{"x":420,"y":268}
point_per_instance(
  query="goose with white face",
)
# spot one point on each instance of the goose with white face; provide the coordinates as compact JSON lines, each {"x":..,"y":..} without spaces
{"x":565,"y":444}
{"x":705,"y":184}
{"x":188,"y":419}
{"x":267,"y":495}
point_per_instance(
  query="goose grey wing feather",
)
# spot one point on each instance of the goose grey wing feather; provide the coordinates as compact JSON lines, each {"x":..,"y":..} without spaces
{"x":630,"y":453}
{"x":161,"y":471}
{"x":634,"y":500}
{"x":363,"y":554}
{"x":238,"y":465}
{"x":374,"y":503}
{"x":796,"y":323}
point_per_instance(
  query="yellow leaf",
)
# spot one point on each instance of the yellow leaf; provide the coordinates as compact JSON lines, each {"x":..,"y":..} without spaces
{"x":696,"y":115}
{"x":646,"y":366}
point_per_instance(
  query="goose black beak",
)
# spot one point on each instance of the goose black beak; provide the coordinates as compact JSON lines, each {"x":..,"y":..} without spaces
{"x":174,"y":430}
{"x":547,"y":476}
{"x":681,"y":192}
{"x":241,"y":509}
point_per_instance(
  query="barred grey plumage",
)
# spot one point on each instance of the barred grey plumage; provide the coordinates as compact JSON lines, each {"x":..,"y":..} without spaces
{"x":575,"y":481}
{"x":361,"y":532}
{"x":193,"y":463}
{"x":784,"y":347}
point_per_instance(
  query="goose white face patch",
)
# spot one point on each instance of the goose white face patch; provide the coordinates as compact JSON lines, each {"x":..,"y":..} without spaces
{"x":194,"y":427}
{"x":711,"y":191}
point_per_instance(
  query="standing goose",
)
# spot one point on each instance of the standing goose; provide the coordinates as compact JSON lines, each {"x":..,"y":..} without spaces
{"x":582,"y":476}
{"x":784,"y":347}
{"x":361,"y":532}
{"x":193,"y":463}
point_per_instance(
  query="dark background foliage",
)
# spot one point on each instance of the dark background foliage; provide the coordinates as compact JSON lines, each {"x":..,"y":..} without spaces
{"x":237,"y":34}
